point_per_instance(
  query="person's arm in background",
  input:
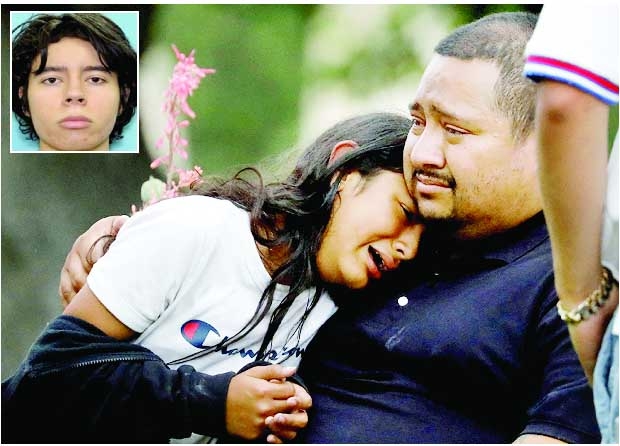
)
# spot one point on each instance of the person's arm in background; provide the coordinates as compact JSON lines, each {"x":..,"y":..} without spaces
{"x":577,"y":81}
{"x":572,"y":139}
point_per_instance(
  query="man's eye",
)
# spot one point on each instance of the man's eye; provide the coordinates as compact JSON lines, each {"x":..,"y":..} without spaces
{"x":417,"y":125}
{"x":96,"y":80}
{"x":51,"y":81}
{"x":456,"y":131}
{"x":416,"y":122}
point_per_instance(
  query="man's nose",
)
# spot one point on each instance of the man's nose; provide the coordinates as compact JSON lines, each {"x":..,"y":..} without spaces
{"x":75,"y":93}
{"x":428,"y":150}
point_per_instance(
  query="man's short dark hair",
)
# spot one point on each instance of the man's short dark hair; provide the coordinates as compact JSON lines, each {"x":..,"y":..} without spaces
{"x":500,"y":38}
{"x":33,"y":38}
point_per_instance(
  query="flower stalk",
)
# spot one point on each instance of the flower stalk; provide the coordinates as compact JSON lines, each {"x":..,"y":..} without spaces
{"x":185,"y":79}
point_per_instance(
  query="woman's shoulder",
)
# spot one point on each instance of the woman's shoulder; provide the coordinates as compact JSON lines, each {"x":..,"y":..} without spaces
{"x":194,"y":206}
{"x":193,"y":214}
{"x":195,"y":203}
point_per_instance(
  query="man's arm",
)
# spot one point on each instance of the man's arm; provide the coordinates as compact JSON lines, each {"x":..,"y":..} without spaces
{"x":86,"y":250}
{"x":572,"y":142}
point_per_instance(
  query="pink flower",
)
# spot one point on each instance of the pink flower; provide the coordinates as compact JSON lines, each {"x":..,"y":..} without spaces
{"x":186,"y":78}
{"x":189,"y":178}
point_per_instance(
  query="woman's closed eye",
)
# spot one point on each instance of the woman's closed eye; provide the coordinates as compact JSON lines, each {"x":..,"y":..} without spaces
{"x":410,"y":216}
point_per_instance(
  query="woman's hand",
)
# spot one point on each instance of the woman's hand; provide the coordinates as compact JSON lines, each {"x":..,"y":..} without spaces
{"x":256,"y":394}
{"x":284,"y":426}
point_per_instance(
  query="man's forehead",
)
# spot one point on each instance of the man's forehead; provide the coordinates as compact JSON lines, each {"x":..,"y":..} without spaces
{"x":454,"y":87}
{"x":452,"y":71}
{"x":71,"y":44}
{"x":61,"y":60}
{"x":65,"y":68}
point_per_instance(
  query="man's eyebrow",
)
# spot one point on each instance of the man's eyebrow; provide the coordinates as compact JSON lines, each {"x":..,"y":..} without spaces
{"x":58,"y":68}
{"x":95,"y":68}
{"x":414,"y":106}
{"x":48,"y":69}
{"x":441,"y":111}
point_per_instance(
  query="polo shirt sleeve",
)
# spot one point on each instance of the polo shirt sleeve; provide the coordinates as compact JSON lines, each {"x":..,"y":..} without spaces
{"x":565,"y":407}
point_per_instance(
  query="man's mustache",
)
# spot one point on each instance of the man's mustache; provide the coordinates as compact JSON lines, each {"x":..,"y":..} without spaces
{"x":434,"y":175}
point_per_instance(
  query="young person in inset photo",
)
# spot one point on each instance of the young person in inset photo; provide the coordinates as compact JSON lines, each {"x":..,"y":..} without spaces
{"x":73,"y":81}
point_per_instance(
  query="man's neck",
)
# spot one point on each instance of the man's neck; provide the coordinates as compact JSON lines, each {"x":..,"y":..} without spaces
{"x":490,"y":227}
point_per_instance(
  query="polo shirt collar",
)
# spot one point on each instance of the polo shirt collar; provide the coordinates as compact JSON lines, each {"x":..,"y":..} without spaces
{"x":516,"y":242}
{"x":498,"y":249}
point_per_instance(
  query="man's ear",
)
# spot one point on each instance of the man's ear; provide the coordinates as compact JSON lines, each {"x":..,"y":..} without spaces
{"x":20,"y":93}
{"x":340,"y":149}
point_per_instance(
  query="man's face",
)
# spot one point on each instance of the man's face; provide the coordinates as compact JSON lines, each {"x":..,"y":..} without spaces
{"x":461,"y":163}
{"x":74,"y":102}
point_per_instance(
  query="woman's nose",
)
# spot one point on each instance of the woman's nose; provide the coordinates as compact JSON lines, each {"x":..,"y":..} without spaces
{"x":408,"y":241}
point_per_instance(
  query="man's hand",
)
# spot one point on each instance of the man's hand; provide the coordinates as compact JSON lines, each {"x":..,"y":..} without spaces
{"x":256,"y":394}
{"x":83,"y":255}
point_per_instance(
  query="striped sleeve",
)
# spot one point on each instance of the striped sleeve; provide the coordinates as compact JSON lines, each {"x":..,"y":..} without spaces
{"x":540,"y":67}
{"x":578,"y":46}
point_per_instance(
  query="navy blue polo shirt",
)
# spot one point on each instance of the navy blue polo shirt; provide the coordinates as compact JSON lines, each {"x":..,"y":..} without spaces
{"x":477,"y":355}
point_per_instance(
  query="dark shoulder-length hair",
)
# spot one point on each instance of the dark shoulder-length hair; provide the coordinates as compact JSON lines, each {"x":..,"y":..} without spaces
{"x":33,"y":37}
{"x":294,"y":213}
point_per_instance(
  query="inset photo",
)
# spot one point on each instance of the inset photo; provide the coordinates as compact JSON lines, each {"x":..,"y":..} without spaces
{"x":74,"y":82}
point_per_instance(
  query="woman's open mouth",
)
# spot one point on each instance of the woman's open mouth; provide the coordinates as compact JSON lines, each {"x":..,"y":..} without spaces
{"x":376,"y":257}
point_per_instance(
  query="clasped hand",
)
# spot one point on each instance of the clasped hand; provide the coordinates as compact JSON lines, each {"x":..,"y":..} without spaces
{"x":260,"y":401}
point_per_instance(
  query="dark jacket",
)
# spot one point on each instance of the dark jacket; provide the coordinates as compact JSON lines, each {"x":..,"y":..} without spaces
{"x":78,"y":385}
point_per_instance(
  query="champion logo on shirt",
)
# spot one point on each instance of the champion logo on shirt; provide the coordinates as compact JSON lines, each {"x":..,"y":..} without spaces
{"x":204,"y":335}
{"x":199,"y":333}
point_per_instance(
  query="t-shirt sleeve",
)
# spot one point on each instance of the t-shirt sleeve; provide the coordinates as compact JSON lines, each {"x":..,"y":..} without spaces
{"x":577,"y":45}
{"x":155,"y":250}
{"x":564,"y":408}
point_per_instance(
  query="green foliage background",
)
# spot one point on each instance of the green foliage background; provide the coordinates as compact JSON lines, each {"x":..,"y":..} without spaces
{"x":249,"y":110}
{"x":249,"y":107}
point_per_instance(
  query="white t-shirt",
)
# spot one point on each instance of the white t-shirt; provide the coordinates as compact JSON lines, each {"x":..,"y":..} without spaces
{"x":186,"y":273}
{"x":566,"y":47}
